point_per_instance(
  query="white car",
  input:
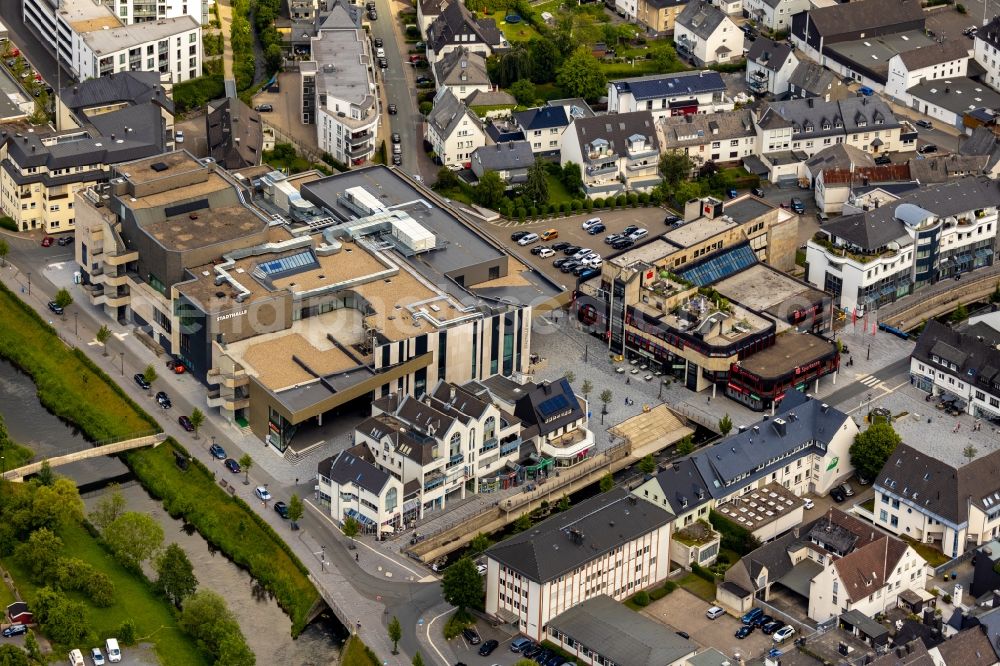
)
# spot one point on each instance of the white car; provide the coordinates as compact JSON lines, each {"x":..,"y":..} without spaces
{"x":809,"y":504}
{"x":481,"y":568}
{"x":528,"y":240}
{"x":595,"y":262}
{"x":581,"y":253}
{"x":262,"y":493}
{"x":546,"y":252}
{"x":638,"y":233}
{"x":714,"y":612}
{"x":591,"y":222}
{"x":783,"y":634}
{"x":380,"y":52}
{"x":97,"y":657}
{"x":179,"y":136}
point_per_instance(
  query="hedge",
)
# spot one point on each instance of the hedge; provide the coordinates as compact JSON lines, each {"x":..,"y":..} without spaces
{"x":702,"y":572}
{"x":8,"y":223}
{"x":195,"y":93}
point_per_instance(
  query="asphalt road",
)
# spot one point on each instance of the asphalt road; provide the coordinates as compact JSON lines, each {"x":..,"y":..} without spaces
{"x":37,"y":54}
{"x":856,"y":389}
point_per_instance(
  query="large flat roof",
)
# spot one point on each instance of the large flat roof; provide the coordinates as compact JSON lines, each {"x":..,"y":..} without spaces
{"x":698,"y":231}
{"x":207,"y":226}
{"x":342,"y":67}
{"x":765,"y":289}
{"x":874,"y":53}
{"x":106,"y":40}
{"x":789,"y":351}
{"x":649,"y":253}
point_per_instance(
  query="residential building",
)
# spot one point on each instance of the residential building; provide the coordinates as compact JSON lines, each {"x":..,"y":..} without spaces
{"x":811,"y":80}
{"x":950,"y":99}
{"x":543,"y":128}
{"x":235,"y":134}
{"x":130,"y":11}
{"x":837,"y":189}
{"x":616,"y":153}
{"x":535,"y":576}
{"x":724,"y":137}
{"x":427,"y":12}
{"x":946,"y":60}
{"x":491,"y":104}
{"x":816,"y":30}
{"x":463,"y":72}
{"x":871,"y":258}
{"x":658,"y":16}
{"x":839,"y":156}
{"x":92,"y":41}
{"x":665,"y":95}
{"x":731,"y":7}
{"x":627,"y":9}
{"x":867,"y":59}
{"x":971,"y":647}
{"x":705,"y":35}
{"x":941,"y":168}
{"x":982,"y":142}
{"x":510,"y":160}
{"x":554,"y":420}
{"x":602,"y":631}
{"x":835,"y":564}
{"x":986,"y":51}
{"x":775,"y":15}
{"x":339,"y":95}
{"x":102,"y":122}
{"x":769,"y":66}
{"x":953,"y":507}
{"x":312,"y":295}
{"x":455,"y":27}
{"x":453,"y":130}
{"x":352,"y":486}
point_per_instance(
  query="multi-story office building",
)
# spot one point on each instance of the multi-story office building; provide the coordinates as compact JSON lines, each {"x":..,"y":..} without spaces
{"x":289,"y":304}
{"x":101,"y":122}
{"x":894,"y":249}
{"x":93,"y":42}
{"x":338,"y":88}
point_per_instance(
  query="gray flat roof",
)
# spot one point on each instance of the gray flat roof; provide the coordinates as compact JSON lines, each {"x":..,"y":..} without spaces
{"x":117,"y":39}
{"x":9,"y":93}
{"x":761,"y":287}
{"x":957,"y":94}
{"x":874,"y":53}
{"x":342,"y":66}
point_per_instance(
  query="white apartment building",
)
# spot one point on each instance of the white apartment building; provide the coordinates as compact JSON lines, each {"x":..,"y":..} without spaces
{"x":935,"y":233}
{"x":93,"y":42}
{"x":947,"y":60}
{"x":338,"y":89}
{"x":354,"y":487}
{"x":955,"y":507}
{"x":723,"y":137}
{"x":453,"y":130}
{"x":775,"y":15}
{"x":666,"y":95}
{"x":986,"y":52}
{"x":769,"y":66}
{"x":613,"y":544}
{"x":139,"y":11}
{"x":614,"y":156}
{"x":706,"y":34}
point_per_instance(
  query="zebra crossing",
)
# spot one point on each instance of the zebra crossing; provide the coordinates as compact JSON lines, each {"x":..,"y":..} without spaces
{"x":872,"y":382}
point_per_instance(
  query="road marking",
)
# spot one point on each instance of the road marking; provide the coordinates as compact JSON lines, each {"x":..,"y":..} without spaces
{"x":870,"y":381}
{"x":121,"y":336}
{"x":360,"y":543}
{"x":428,"y":633}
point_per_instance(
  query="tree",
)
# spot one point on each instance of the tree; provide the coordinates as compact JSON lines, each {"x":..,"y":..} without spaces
{"x":545,"y":60}
{"x":4,"y":251}
{"x":586,"y":388}
{"x":524,"y":92}
{"x":581,"y":75}
{"x":45,"y":476}
{"x":961,"y":313}
{"x":246,"y":462}
{"x":55,"y":504}
{"x":446,"y":180}
{"x":665,"y":60}
{"x":514,"y":65}
{"x":175,"y":577}
{"x":725,"y":425}
{"x":417,"y":660}
{"x":522,"y":523}
{"x":479,"y":543}
{"x":295,"y":510}
{"x":685,"y":446}
{"x":103,"y":333}
{"x":351,"y":527}
{"x":462,"y":585}
{"x":563,"y":504}
{"x":572,"y":178}
{"x":11,"y":655}
{"x":41,"y":554}
{"x":149,"y":374}
{"x":491,"y":190}
{"x":126,"y":632}
{"x":607,"y":482}
{"x":536,"y":188}
{"x":648,"y":464}
{"x":234,"y":651}
{"x":207,"y":619}
{"x":134,"y":538}
{"x":66,"y":620}
{"x":675,"y":167}
{"x":970,"y":452}
{"x":994,"y":297}
{"x":108,"y":509}
{"x":395,"y":633}
{"x":63,"y":298}
{"x":606,"y":397}
{"x":872,"y":448}
{"x":197,"y":420}
{"x":32,"y":648}
{"x":274,"y":57}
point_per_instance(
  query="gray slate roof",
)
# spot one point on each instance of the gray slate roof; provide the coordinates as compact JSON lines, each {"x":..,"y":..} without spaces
{"x":462,"y":67}
{"x":958,"y":94}
{"x":865,"y":15}
{"x":769,"y":53}
{"x":939,"y":168}
{"x":490,"y":98}
{"x":701,"y":18}
{"x":349,"y":467}
{"x":448,"y":112}
{"x":504,"y":156}
{"x":548,"y":550}
{"x":839,"y":156}
{"x":545,"y":117}
{"x":935,"y":54}
{"x":812,"y":78}
{"x":616,"y":129}
{"x":854,"y":114}
{"x":456,"y":20}
{"x":697,"y":129}
{"x":130,"y":87}
{"x":235,"y":134}
{"x":621,"y":635}
{"x":548,"y":406}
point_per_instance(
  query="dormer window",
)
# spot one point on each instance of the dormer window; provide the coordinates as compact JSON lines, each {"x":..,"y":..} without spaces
{"x":862,"y":122}
{"x":826,"y":124}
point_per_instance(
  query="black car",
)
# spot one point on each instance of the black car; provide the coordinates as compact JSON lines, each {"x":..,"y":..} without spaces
{"x":596,"y":229}
{"x":15,"y":630}
{"x":472,"y":636}
{"x":762,"y":620}
{"x":281,"y":509}
{"x":163,"y":400}
{"x":538,"y":249}
{"x":395,"y":137}
{"x":772,"y":627}
{"x":518,"y":235}
{"x":372,"y":15}
{"x":838,"y":495}
{"x":397,"y":160}
{"x":926,"y":124}
{"x":543,"y":656}
{"x":560,"y":246}
{"x":378,"y":43}
{"x":558,"y":263}
{"x":611,"y":238}
{"x":487,"y":648}
{"x":883,"y":159}
{"x":622,"y":243}
{"x":65,"y":240}
{"x":141,"y":381}
{"x":530,"y":651}
{"x":264,"y":108}
{"x":571,"y":250}
{"x":392,"y":109}
{"x":569,"y":266}
{"x":185,"y":423}
{"x":927,"y":148}
{"x":383,"y":63}
{"x":423,"y":79}
{"x":630,"y":229}
{"x":232,"y":466}
{"x":671,"y":220}
{"x":55,"y":307}
{"x":744,"y":631}
{"x":555,"y":660}
{"x":685,"y":635}
{"x":758,"y":191}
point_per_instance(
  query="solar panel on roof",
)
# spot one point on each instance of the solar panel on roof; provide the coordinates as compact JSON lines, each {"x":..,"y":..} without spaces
{"x":553,"y":405}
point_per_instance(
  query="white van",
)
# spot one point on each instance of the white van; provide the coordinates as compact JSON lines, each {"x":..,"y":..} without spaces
{"x":111,"y":650}
{"x":76,"y":658}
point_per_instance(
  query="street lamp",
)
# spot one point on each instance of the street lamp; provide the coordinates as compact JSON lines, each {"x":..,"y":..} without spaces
{"x":29,"y":283}
{"x":76,"y":322}
{"x":122,"y":354}
{"x":322,"y":558}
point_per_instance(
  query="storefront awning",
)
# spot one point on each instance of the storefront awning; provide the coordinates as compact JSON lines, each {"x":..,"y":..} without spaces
{"x":361,"y":518}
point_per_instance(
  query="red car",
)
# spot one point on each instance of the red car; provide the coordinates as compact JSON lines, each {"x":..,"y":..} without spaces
{"x":47,"y":241}
{"x":176,"y":367}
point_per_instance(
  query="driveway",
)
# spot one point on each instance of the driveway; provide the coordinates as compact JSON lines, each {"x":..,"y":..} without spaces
{"x":682,"y":611}
{"x":286,"y":118}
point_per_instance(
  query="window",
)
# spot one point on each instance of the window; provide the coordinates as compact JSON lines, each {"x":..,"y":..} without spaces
{"x":883,"y":515}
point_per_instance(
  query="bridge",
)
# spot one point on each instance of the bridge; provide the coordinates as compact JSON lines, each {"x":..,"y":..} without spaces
{"x":18,"y":474}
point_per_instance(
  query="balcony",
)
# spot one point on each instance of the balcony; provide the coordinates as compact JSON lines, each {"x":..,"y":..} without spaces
{"x":433,"y":480}
{"x":361,"y":151}
{"x":601,"y":169}
{"x":454,"y":460}
{"x":576,"y":444}
{"x":638,"y":150}
{"x":357,"y":137}
{"x":512,"y":446}
{"x":600,"y":157}
{"x":119,"y":258}
{"x":111,"y":298}
{"x":109,"y":279}
{"x":489,"y":445}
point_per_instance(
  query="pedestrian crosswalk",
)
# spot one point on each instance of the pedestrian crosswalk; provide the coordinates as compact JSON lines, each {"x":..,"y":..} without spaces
{"x":871,"y":381}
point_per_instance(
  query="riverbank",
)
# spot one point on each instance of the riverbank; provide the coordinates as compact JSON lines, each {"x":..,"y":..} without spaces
{"x":77,"y":391}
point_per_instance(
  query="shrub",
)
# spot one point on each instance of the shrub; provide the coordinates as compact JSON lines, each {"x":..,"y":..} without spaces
{"x":553,"y":208}
{"x":612,"y":203}
{"x":702,"y":572}
{"x":641,"y":598}
{"x":622,"y":200}
{"x":576,"y":205}
{"x":946,"y":598}
{"x":960,"y":8}
{"x":658,"y":593}
{"x":670,"y":586}
{"x":8,"y":223}
{"x":455,"y":624}
{"x":521,"y":214}
{"x":598,"y":202}
{"x":655,"y":198}
{"x":425,"y":108}
{"x":565,"y":207}
{"x":195,"y":93}
{"x":643,"y":199}
{"x":533,"y":212}
{"x":126,"y":633}
{"x":734,"y":537}
{"x":632,"y":198}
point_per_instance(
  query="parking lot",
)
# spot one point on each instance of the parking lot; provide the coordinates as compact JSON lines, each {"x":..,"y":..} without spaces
{"x":502,"y":656}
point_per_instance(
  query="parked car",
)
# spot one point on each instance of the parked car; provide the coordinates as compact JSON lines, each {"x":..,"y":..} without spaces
{"x":758,"y":192}
{"x":926,"y":124}
{"x":629,"y":229}
{"x":519,"y":644}
{"x":732,"y":193}
{"x":176,"y":367}
{"x":671,"y":220}
{"x":487,"y":648}
{"x":472,"y":635}
{"x":683,"y":634}
{"x":178,"y":136}
{"x":558,"y":263}
{"x":264,"y":108}
{"x":397,"y":160}
{"x":569,"y":266}
{"x":611,"y":238}
{"x":561,"y":245}
{"x":809,"y":504}
{"x":771,"y":627}
{"x":47,"y":241}
{"x":372,"y":15}
{"x":15,"y":630}
{"x":232,"y":466}
{"x":744,"y":631}
{"x":392,"y":110}
{"x":589,"y":273}
{"x":281,"y":509}
{"x":866,"y":91}
{"x":528,"y":239}
{"x":65,"y":240}
{"x":783,"y":634}
{"x":571,"y":250}
{"x":395,"y":137}
{"x":927,"y":148}
{"x":538,"y":249}
{"x":518,"y":235}
{"x":762,"y":620}
{"x":848,"y":491}
{"x":378,"y":42}
{"x":623,"y":243}
{"x":591,"y":222}
{"x":217,"y":452}
{"x":751,"y":615}
{"x":637,"y":234}
{"x":837,"y":495}
{"x":423,"y":78}
{"x":597,"y":229}
{"x":714,"y":612}
{"x":76,"y":658}
{"x":550,"y":234}
{"x":532,"y":650}
{"x":139,"y":379}
{"x":55,"y":307}
{"x":262,"y":493}
{"x":797,"y":205}
{"x":883,"y":159}
{"x":546,"y":252}
{"x":542,"y":656}
{"x":163,"y":400}
{"x":97,"y":656}
{"x":185,"y":423}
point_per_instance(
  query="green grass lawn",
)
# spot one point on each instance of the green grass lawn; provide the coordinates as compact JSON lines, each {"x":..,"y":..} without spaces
{"x":934,"y":557}
{"x":356,"y":653}
{"x":557,"y":191}
{"x":514,"y":32}
{"x":698,"y":587}
{"x":16,"y":455}
{"x":136,"y":601}
{"x":869,"y":505}
{"x":6,"y":595}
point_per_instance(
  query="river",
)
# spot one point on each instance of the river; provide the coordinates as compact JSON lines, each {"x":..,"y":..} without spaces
{"x":267,"y":628}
